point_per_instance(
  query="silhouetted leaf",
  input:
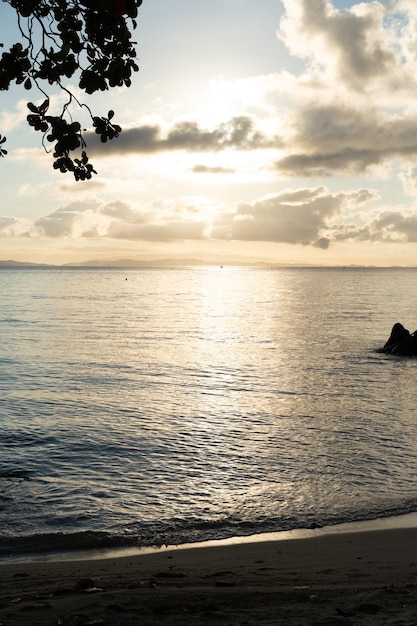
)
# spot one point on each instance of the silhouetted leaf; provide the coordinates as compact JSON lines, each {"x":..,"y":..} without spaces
{"x":93,"y":37}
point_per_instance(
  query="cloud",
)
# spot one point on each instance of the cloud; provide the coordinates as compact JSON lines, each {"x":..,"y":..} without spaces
{"x":72,"y":220}
{"x":409,"y":181}
{"x":122,"y":211}
{"x":396,"y":226}
{"x":323,"y":243}
{"x":383,"y":227}
{"x":294,"y":217}
{"x":238,"y":133}
{"x":206,"y":169}
{"x":163,"y":221}
{"x":14,"y":226}
{"x":332,"y":138}
{"x":323,"y":164}
{"x":353,"y":103}
{"x":11,"y":120}
{"x":354,"y":46}
{"x":311,"y":216}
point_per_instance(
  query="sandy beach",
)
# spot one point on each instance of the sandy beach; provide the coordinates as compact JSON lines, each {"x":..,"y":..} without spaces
{"x":325,"y":579}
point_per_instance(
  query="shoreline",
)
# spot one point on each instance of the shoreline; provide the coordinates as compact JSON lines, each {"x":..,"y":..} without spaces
{"x":364,"y":574}
{"x":407,"y":520}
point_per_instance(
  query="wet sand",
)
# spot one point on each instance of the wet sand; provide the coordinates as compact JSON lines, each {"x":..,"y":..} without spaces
{"x":329,"y":579}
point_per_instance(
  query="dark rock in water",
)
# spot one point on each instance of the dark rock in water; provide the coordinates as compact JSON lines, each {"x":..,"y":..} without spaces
{"x":401,"y":342}
{"x":398,"y":335}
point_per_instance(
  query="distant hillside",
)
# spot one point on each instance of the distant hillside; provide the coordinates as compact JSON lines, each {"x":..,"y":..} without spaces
{"x":157,"y":263}
{"x":11,"y":263}
{"x":130,"y":263}
{"x":126,"y":263}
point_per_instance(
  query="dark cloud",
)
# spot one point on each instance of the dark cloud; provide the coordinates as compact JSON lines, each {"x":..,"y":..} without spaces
{"x":317,"y":164}
{"x":238,"y":133}
{"x":323,"y":243}
{"x":339,"y":138}
{"x":143,"y":139}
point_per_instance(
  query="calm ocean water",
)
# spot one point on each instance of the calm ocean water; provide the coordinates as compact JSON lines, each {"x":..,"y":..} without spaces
{"x":149,"y":406}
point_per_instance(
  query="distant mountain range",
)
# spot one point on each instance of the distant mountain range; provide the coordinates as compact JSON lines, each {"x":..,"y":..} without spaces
{"x":151,"y":263}
{"x":126,"y":263}
{"x":135,"y":263}
{"x":10,"y":263}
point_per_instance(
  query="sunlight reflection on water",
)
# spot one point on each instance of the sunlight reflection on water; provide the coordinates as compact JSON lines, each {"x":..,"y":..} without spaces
{"x":193,"y":402}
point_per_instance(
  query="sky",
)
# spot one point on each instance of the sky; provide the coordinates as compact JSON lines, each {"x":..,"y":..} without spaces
{"x":281,"y":131}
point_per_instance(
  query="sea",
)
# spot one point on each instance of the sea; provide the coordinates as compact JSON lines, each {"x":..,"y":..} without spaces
{"x":161,"y":406}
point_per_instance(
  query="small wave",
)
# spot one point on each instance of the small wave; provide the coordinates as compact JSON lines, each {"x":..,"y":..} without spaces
{"x":176,"y":533}
{"x":21,"y":475}
{"x":57,"y":543}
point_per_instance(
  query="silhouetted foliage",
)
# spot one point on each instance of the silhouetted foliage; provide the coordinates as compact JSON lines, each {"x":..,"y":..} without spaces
{"x":62,"y":39}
